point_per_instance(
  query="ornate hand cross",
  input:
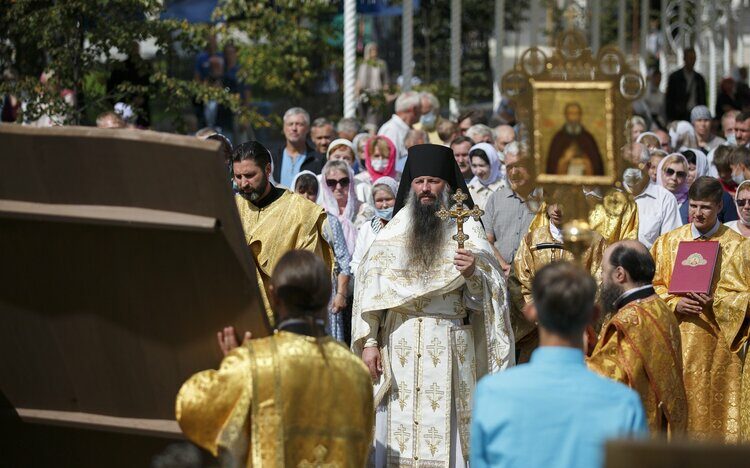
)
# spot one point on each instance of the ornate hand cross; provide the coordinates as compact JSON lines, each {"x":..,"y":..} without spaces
{"x":460,"y":213}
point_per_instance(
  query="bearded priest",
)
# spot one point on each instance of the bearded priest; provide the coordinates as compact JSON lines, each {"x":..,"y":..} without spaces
{"x":429,"y":319}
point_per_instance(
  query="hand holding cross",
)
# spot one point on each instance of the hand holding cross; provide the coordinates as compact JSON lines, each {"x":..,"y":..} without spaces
{"x":460,"y":213}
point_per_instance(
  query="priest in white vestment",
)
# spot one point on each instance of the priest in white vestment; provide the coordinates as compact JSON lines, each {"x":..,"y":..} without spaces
{"x":428,"y":319}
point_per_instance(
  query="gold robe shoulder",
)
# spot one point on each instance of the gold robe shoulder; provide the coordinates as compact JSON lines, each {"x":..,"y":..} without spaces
{"x":284,"y":400}
{"x":291,"y":222}
{"x":527,"y":262}
{"x":712,"y":341}
{"x":640,"y":347}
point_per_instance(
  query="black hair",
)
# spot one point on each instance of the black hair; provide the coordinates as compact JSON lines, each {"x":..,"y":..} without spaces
{"x":706,"y":188}
{"x":252,"y":151}
{"x":306,"y":183}
{"x":564,"y":297}
{"x":637,"y":262}
{"x":462,"y":139}
{"x":480,"y":154}
{"x":690,"y":156}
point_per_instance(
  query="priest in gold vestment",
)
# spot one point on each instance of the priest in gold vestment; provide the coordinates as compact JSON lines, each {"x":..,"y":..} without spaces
{"x":275,"y":220}
{"x":294,"y":399}
{"x":713,"y":327}
{"x":539,"y":247}
{"x":429,"y":319}
{"x":614,"y":216}
{"x":640,"y":345}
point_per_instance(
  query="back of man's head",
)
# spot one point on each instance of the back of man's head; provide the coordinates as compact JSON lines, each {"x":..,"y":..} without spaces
{"x":302,"y":284}
{"x":564,"y":299}
{"x":635,"y":259}
{"x":707,"y":189}
{"x":252,"y":151}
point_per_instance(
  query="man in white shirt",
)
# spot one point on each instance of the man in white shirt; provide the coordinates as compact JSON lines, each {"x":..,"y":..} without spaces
{"x":408,"y":112}
{"x":658,"y":212}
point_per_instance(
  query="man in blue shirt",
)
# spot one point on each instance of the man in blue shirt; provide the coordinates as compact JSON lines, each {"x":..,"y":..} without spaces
{"x":553,"y":412}
{"x":297,"y":154}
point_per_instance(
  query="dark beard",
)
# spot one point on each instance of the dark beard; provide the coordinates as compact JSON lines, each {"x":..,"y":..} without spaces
{"x":608,"y":295}
{"x":427,"y":232}
{"x":253,"y":196}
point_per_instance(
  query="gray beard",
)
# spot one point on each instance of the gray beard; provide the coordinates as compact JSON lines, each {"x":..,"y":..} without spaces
{"x":573,"y":129}
{"x":427,"y":232}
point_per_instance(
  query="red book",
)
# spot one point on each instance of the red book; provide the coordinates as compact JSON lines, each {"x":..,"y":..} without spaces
{"x":694,"y":267}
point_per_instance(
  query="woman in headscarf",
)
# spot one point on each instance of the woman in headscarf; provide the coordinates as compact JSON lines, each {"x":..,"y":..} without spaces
{"x":485,"y":164}
{"x":337,"y":196}
{"x":698,"y":166}
{"x":380,"y":159}
{"x":343,"y":150}
{"x":742,"y":203}
{"x":384,"y":198}
{"x":306,"y":184}
{"x":359,"y":151}
{"x":682,"y":135}
{"x":672,"y":174}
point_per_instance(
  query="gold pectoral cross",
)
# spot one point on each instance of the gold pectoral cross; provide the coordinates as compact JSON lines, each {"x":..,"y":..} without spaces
{"x":460,"y":213}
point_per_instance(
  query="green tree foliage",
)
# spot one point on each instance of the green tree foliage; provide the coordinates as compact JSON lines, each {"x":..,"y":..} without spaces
{"x":77,"y":41}
{"x":286,"y":44}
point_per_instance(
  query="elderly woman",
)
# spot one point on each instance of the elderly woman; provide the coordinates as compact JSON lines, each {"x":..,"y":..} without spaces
{"x":306,"y":184}
{"x":485,"y":164}
{"x":343,"y":150}
{"x":742,"y":203}
{"x":636,"y":125}
{"x":337,"y":195}
{"x":384,"y":197}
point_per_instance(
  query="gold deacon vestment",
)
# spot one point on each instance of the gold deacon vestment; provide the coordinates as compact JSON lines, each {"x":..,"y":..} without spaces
{"x":713,"y":342}
{"x":640,"y":347}
{"x":289,"y":223}
{"x":438,"y":333}
{"x":615,"y":218}
{"x":287,"y":400}
{"x":530,"y":257}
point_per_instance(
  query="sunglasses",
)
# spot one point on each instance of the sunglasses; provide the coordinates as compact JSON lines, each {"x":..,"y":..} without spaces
{"x":680,"y":174}
{"x":332,"y":183}
{"x":741,"y":202}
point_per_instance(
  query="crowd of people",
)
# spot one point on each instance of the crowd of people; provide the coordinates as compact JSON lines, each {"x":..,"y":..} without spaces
{"x":408,"y":303}
{"x":624,"y":353}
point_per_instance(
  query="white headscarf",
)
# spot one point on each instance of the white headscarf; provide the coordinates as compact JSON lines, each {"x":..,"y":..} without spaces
{"x":340,"y":142}
{"x":327,"y":200}
{"x":389,"y":182}
{"x":494,"y":160}
{"x":681,"y":194}
{"x":743,"y":186}
{"x":293,"y":188}
{"x":683,"y":127}
{"x":701,"y":162}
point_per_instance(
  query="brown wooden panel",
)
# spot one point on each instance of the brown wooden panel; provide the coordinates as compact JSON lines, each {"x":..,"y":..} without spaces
{"x":110,"y":318}
{"x":676,"y":454}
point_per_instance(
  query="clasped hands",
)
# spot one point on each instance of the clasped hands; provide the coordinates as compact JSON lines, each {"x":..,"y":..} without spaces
{"x":694,"y":303}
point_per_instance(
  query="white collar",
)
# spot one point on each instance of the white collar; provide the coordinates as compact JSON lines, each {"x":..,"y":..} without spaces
{"x":556,"y":233}
{"x":649,"y":191}
{"x":697,"y":234}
